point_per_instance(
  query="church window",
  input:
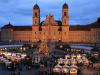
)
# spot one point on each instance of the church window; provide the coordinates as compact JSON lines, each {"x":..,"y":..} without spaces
{"x":35,"y":21}
{"x":36,"y":14}
{"x":59,"y":29}
{"x":40,"y":29}
{"x":65,"y":14}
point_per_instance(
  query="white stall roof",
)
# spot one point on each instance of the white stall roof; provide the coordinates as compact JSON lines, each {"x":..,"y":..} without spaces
{"x":10,"y":46}
{"x":82,"y":47}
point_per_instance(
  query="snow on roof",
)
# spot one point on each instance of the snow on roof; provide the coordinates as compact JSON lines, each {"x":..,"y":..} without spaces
{"x":82,"y":47}
{"x":10,"y":46}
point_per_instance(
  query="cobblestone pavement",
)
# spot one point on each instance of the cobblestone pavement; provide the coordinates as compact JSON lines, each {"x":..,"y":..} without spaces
{"x":4,"y":71}
{"x":30,"y":72}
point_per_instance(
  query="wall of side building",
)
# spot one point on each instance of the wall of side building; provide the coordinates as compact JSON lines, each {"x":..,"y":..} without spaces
{"x":22,"y":36}
{"x":10,"y":35}
{"x":7,"y":35}
{"x":95,"y":35}
{"x":79,"y":36}
{"x":92,"y":36}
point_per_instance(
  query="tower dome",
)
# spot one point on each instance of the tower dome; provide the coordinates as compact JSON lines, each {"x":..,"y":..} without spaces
{"x":7,"y":26}
{"x":36,"y":6}
{"x":65,"y":5}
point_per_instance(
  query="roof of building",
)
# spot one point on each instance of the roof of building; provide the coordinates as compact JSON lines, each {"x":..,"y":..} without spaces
{"x":7,"y":26}
{"x":85,"y":27}
{"x":65,"y":5}
{"x":98,"y":21}
{"x":79,"y":28}
{"x":15,"y":28}
{"x":22,"y":28}
{"x":59,"y":22}
{"x":95,"y":24}
{"x":36,"y":6}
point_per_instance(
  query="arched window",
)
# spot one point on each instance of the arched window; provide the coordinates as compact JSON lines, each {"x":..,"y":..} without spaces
{"x":35,"y":21}
{"x":36,"y":14}
{"x":65,"y":14}
{"x":35,"y":32}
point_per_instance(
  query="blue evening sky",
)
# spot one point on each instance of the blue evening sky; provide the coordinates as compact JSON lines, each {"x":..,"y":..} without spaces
{"x":19,"y":12}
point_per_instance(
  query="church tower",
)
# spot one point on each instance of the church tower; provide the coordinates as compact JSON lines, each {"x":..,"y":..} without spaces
{"x":65,"y":17}
{"x":65,"y":23}
{"x":36,"y":15}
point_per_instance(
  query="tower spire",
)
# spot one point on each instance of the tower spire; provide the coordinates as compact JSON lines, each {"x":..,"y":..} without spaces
{"x":65,"y":14}
{"x":36,"y":1}
{"x":36,"y":14}
{"x":65,"y":1}
{"x":9,"y":22}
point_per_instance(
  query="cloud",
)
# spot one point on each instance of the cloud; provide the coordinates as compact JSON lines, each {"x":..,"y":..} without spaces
{"x":84,"y":11}
{"x":23,"y":12}
{"x":19,"y":12}
{"x":5,"y":1}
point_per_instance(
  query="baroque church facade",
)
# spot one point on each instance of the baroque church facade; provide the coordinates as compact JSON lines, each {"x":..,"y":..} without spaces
{"x":51,"y":30}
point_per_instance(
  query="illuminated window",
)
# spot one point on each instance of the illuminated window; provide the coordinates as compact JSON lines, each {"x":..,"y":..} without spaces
{"x":60,"y":29}
{"x":40,"y":29}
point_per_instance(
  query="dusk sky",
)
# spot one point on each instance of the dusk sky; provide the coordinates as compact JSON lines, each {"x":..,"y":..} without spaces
{"x":19,"y":12}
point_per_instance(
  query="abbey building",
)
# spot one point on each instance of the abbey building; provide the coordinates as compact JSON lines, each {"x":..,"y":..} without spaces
{"x":52,"y":30}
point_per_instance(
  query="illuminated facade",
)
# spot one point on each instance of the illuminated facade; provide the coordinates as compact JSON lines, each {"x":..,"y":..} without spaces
{"x":51,"y":30}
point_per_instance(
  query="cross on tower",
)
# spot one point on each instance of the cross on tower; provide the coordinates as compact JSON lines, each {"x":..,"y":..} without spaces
{"x":64,"y":1}
{"x":36,"y":1}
